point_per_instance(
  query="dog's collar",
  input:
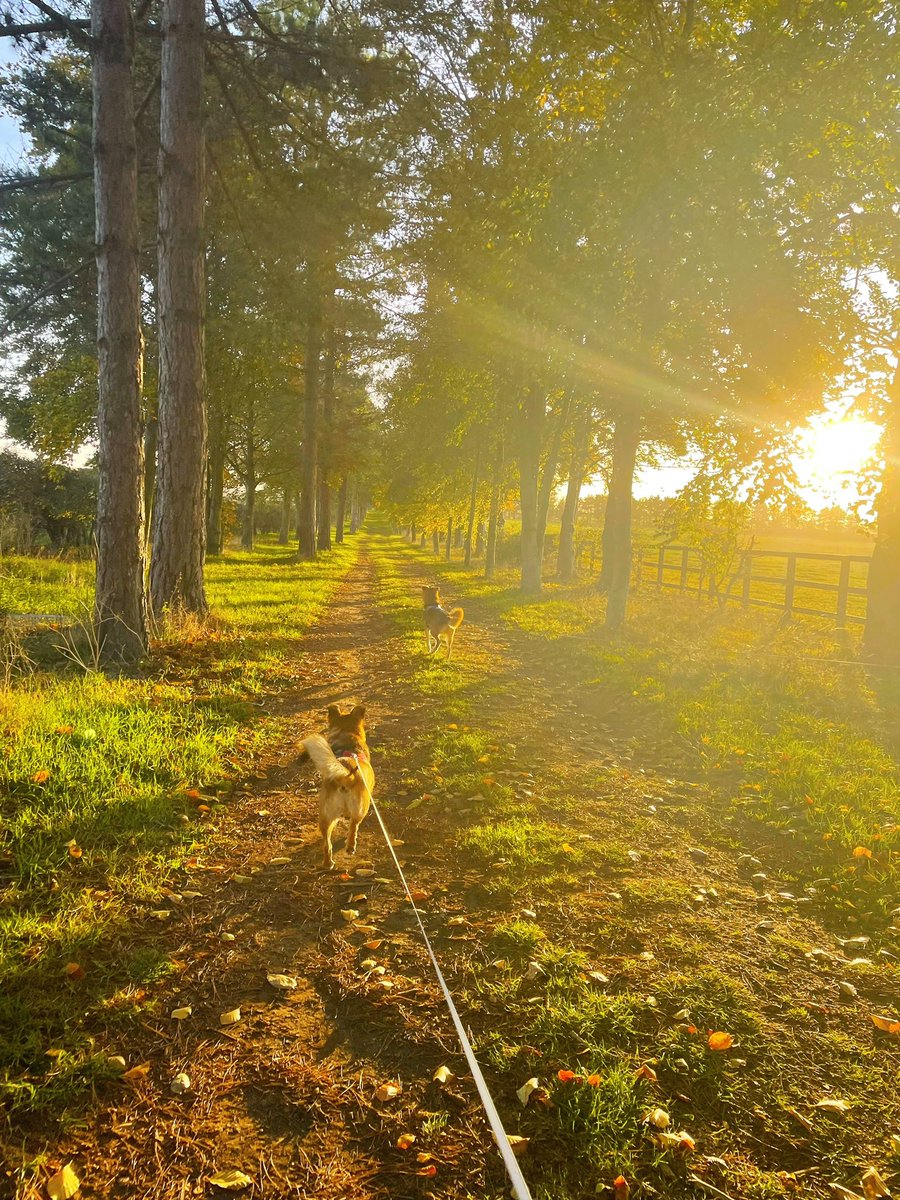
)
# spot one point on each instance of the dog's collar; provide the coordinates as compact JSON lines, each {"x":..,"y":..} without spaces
{"x":361,"y":755}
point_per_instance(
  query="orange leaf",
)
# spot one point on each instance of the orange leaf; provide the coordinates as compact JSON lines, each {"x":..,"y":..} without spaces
{"x":193,"y":794}
{"x":593,"y":1080}
{"x":566,"y":1076}
{"x":138,"y":1072}
{"x":621,"y":1187}
{"x":40,"y":777}
{"x":428,"y":1172}
{"x":720,"y":1041}
{"x":645,"y":1072}
{"x":886,"y":1024}
{"x":405,"y":1140}
{"x":65,"y":729}
{"x":418,"y":894}
{"x":75,"y":850}
{"x":74,"y":971}
{"x":862,"y":852}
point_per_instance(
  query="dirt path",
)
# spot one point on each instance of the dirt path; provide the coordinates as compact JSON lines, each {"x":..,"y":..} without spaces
{"x":576,"y":855}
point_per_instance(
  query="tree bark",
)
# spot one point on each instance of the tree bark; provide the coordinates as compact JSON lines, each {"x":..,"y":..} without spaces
{"x":309,"y":458}
{"x":480,"y":535}
{"x":215,"y":483}
{"x":881,"y":639}
{"x":449,"y":537}
{"x":435,"y":542}
{"x":615,"y":576}
{"x":490,"y":554}
{"x":179,"y":535}
{"x":473,"y":504}
{"x":323,"y":512}
{"x":120,"y":610}
{"x":284,"y":532}
{"x":151,"y":437}
{"x":532,"y":415}
{"x":248,"y":531}
{"x":549,"y":475}
{"x":340,"y":515}
{"x":565,"y":560}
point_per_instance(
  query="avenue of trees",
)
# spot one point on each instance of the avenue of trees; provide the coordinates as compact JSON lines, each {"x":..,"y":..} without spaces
{"x":456,"y":254}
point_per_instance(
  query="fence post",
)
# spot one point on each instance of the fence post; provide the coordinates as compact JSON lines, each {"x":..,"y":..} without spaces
{"x":789,"y":582}
{"x":660,"y":566}
{"x":843,"y":593}
{"x":748,"y":571}
{"x":593,"y":554}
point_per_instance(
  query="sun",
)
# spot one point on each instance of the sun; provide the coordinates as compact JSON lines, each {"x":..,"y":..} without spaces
{"x":834,"y":452}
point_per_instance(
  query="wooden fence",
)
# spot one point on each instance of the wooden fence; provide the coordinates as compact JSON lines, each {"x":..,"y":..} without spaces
{"x":788,"y":581}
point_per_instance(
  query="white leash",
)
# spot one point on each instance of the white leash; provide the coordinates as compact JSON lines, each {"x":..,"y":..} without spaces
{"x":513,"y":1170}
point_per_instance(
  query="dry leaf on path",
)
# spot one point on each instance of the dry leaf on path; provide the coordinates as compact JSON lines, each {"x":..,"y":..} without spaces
{"x":64,"y":1184}
{"x":181,"y":1014}
{"x":231,"y":1017}
{"x":442,"y":1075}
{"x":886,"y":1024}
{"x":834,"y":1106}
{"x":720,"y":1041}
{"x":405,"y":1140}
{"x":388,"y":1091}
{"x":285,"y":983}
{"x":230,"y":1181}
{"x":873,"y":1185}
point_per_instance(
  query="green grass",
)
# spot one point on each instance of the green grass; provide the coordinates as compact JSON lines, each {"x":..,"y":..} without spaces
{"x":95,"y":810}
{"x":45,"y":585}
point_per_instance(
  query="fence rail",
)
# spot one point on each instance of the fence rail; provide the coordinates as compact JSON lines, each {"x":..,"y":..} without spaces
{"x":751,"y":584}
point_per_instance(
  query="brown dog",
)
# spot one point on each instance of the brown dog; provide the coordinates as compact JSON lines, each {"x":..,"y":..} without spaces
{"x":342,"y":760}
{"x":440,"y":625}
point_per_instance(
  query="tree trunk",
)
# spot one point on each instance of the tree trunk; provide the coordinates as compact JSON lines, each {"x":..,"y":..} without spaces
{"x":354,"y":509}
{"x":549,"y":476}
{"x":248,"y":530}
{"x":473,"y":504}
{"x":531,"y":423}
{"x":449,"y":537}
{"x":490,"y":554}
{"x":480,"y":535}
{"x":616,"y":568}
{"x":882,"y":633}
{"x":306,"y":533}
{"x":179,"y":536}
{"x":323,"y":515}
{"x":215,"y":483}
{"x":340,"y":516}
{"x":151,"y":437}
{"x":120,"y":610}
{"x":565,"y":560}
{"x":435,"y":542}
{"x":284,"y":531}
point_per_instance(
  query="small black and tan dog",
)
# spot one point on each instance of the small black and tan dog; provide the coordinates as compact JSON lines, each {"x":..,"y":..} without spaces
{"x":341,"y":757}
{"x":441,"y":624}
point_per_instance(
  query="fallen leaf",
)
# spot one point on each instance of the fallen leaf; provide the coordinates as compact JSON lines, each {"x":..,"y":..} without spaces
{"x":621,"y":1187}
{"x":886,"y":1024}
{"x":442,"y":1075}
{"x":842,"y":1193}
{"x":181,"y":1014}
{"x":423,"y":1156}
{"x":364,"y":872}
{"x":64,"y":1184}
{"x":349,"y":914}
{"x":659,"y":1118}
{"x":645,"y":1072}
{"x":180,"y":1084}
{"x":525,"y":1091}
{"x":598,"y":977}
{"x":720,"y":1041}
{"x":64,"y":729}
{"x":835,"y":1106}
{"x":374,"y":944}
{"x":231,"y":1017}
{"x":387,"y":1091}
{"x":117,"y":1062}
{"x":75,"y":971}
{"x":141,"y":1071}
{"x":419,"y":894}
{"x":535,"y":971}
{"x":799,"y":1118}
{"x":517,"y":1144}
{"x":862,"y":852}
{"x":428,"y":1172}
{"x":41,"y":777}
{"x":593,"y":1080}
{"x":873,"y":1185}
{"x":405,"y":1140}
{"x":565,"y":1076}
{"x":286,"y":983}
{"x":74,"y":849}
{"x":230,"y":1181}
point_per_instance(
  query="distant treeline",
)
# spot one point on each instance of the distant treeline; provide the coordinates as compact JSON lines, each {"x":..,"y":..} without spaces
{"x":44,"y":506}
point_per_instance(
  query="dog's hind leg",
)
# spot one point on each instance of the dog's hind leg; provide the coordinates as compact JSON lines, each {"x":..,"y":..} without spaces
{"x":326,"y":828}
{"x":450,"y":643}
{"x":352,"y":834}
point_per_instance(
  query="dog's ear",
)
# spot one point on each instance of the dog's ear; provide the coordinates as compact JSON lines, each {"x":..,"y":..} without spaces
{"x":359,"y":712}
{"x":333,"y":713}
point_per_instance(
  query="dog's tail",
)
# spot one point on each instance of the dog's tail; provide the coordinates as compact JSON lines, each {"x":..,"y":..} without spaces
{"x":330,"y":768}
{"x":456,"y":617}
